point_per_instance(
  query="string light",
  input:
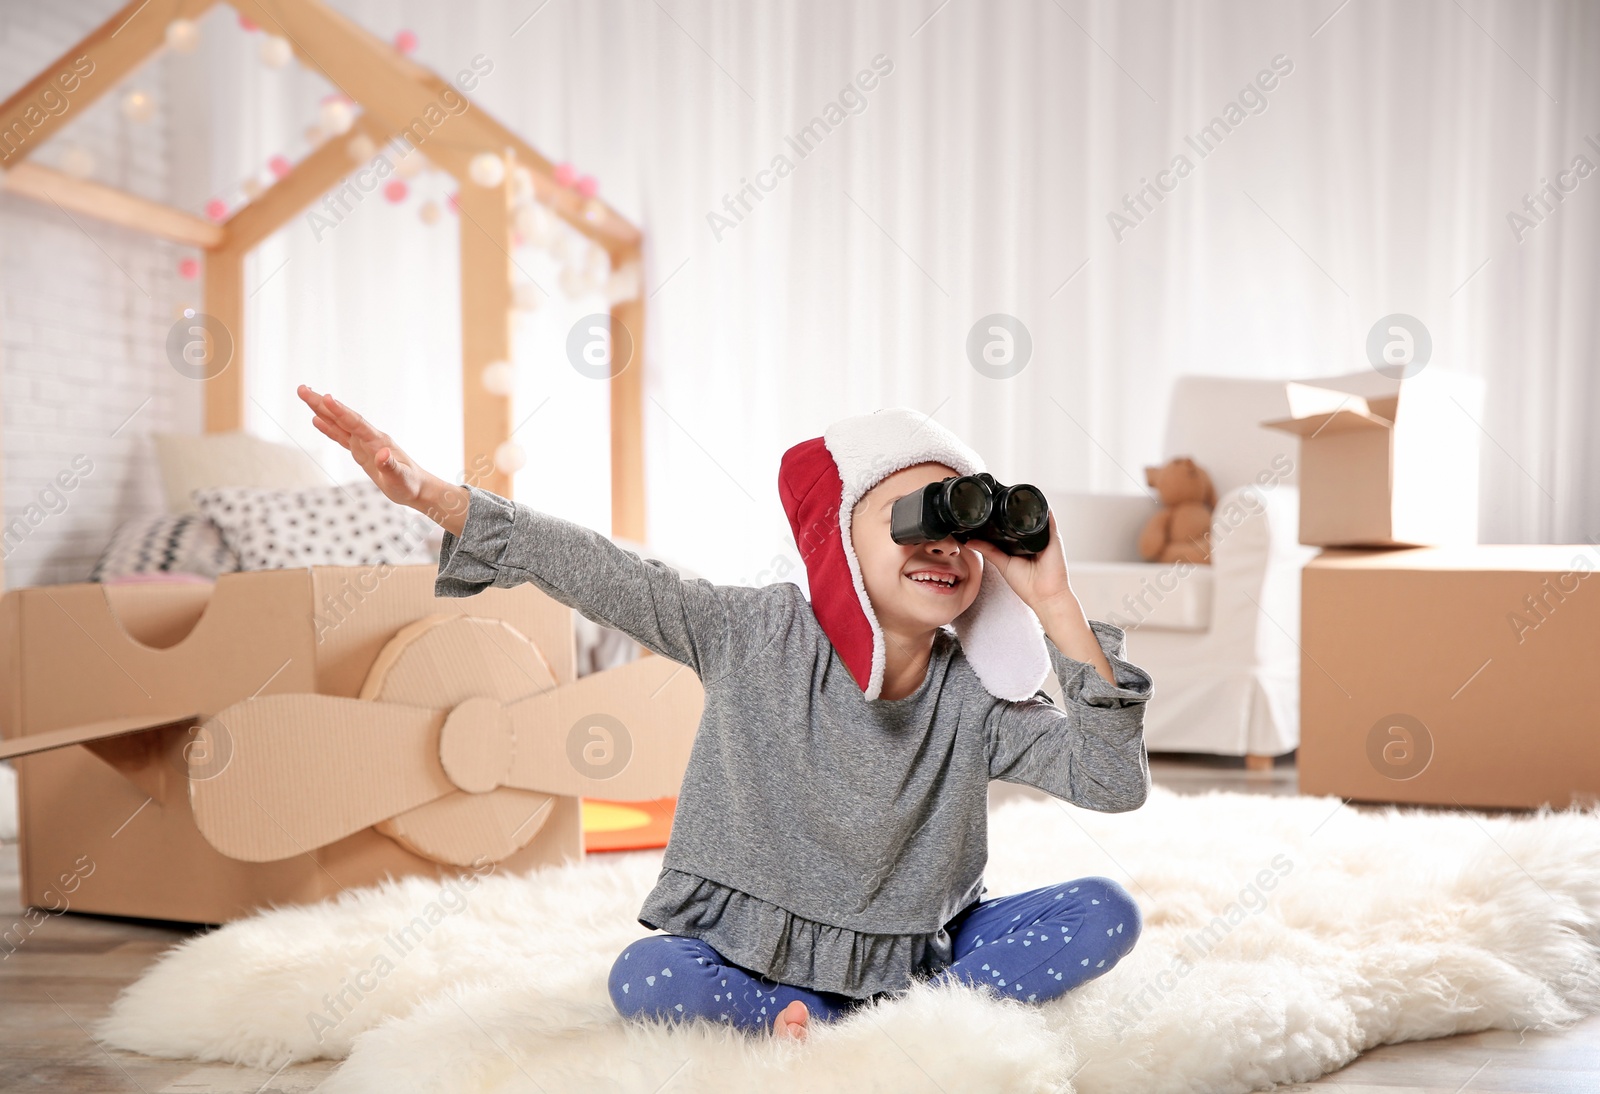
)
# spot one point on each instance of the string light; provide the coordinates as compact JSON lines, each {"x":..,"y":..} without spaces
{"x":276,"y":52}
{"x":183,"y":36}
{"x":487,"y":169}
{"x":509,"y":458}
{"x":410,"y":164}
{"x":138,"y":106}
{"x":335,"y":115}
{"x":498,"y":378}
{"x":526,"y":296}
{"x":77,"y":161}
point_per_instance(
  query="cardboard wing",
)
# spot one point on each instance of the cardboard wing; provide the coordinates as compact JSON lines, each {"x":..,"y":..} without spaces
{"x":461,"y":740}
{"x":306,"y":702}
{"x":92,"y":734}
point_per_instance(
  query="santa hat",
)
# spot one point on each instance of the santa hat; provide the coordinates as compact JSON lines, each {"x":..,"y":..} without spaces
{"x":821,"y":480}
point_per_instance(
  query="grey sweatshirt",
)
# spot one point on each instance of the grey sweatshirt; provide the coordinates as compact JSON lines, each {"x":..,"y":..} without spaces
{"x":820,"y":839}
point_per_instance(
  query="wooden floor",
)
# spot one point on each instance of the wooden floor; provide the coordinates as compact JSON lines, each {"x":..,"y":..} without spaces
{"x":72,"y":966}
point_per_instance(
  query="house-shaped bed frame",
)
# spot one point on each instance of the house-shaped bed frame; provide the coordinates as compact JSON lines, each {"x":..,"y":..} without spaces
{"x":398,"y":98}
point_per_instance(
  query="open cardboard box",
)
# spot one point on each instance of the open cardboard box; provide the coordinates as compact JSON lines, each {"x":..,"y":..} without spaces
{"x":194,"y":753}
{"x":1387,"y":463}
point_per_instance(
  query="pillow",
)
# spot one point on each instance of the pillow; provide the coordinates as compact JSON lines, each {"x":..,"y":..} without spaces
{"x":349,"y":525}
{"x":187,"y":544}
{"x":191,"y":462}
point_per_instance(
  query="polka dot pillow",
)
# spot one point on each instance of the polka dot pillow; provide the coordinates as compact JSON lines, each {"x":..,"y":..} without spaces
{"x":348,"y":525}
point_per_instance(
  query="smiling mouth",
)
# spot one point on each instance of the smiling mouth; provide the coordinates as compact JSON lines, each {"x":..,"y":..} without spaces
{"x":938,"y":582}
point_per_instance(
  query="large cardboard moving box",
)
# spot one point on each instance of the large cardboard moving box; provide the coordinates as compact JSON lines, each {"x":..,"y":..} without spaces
{"x":1452,"y":676}
{"x":194,"y":754}
{"x":1388,"y":462}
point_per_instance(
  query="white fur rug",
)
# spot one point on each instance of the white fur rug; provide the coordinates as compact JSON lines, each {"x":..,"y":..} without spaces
{"x":1283,"y":936}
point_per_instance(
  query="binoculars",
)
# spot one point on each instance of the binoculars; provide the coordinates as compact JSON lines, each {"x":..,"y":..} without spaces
{"x":1015,"y":519}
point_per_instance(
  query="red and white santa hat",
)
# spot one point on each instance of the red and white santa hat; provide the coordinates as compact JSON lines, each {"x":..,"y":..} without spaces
{"x":820,"y":481}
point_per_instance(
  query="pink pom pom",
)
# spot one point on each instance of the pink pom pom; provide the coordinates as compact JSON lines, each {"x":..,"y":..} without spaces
{"x":189,"y":269}
{"x":396,"y":190}
{"x":279,"y":166}
{"x":565,"y":174}
{"x":454,"y":201}
{"x":217,"y":209}
{"x":246,"y":23}
{"x":405,"y":41}
{"x":587,"y":186}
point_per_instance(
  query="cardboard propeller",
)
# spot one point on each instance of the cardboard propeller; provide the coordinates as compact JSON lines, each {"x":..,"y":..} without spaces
{"x":457,"y":748}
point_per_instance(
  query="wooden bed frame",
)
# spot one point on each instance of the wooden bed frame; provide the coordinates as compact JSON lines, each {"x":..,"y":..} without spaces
{"x":394,"y":93}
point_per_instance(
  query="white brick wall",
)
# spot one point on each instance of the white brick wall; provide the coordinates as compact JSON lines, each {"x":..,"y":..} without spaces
{"x":84,"y":313}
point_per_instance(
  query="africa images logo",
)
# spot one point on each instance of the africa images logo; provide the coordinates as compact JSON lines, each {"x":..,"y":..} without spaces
{"x":1252,"y":99}
{"x":851,"y":100}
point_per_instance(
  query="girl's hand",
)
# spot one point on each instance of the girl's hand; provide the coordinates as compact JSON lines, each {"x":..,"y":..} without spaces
{"x":395,"y":473}
{"x":1039,"y":580}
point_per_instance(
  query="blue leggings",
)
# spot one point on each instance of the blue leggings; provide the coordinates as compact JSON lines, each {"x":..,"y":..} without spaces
{"x":1031,"y":946}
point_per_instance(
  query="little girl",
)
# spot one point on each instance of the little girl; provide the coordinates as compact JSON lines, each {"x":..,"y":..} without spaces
{"x":831,"y":831}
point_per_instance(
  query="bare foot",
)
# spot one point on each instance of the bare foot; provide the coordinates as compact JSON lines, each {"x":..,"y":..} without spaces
{"x":792,"y":1021}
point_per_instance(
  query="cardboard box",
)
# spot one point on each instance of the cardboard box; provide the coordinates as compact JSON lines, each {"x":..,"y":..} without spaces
{"x":1452,"y":675}
{"x":1385,"y":462}
{"x":189,"y":753}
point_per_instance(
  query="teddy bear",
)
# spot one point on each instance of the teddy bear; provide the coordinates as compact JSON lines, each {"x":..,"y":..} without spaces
{"x":1181,"y":528}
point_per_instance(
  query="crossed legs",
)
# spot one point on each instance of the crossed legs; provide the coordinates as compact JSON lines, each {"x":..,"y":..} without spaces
{"x":1031,"y":946}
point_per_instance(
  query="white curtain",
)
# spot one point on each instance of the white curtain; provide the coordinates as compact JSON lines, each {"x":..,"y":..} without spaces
{"x":978,"y":176}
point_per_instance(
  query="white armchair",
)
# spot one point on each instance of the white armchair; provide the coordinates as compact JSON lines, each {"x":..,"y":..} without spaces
{"x":1221,"y":641}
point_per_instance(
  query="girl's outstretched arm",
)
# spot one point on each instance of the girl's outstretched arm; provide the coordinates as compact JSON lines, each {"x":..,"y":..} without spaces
{"x":493,"y":541}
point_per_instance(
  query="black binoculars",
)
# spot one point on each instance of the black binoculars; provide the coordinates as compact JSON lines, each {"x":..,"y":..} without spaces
{"x":1015,"y":519}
